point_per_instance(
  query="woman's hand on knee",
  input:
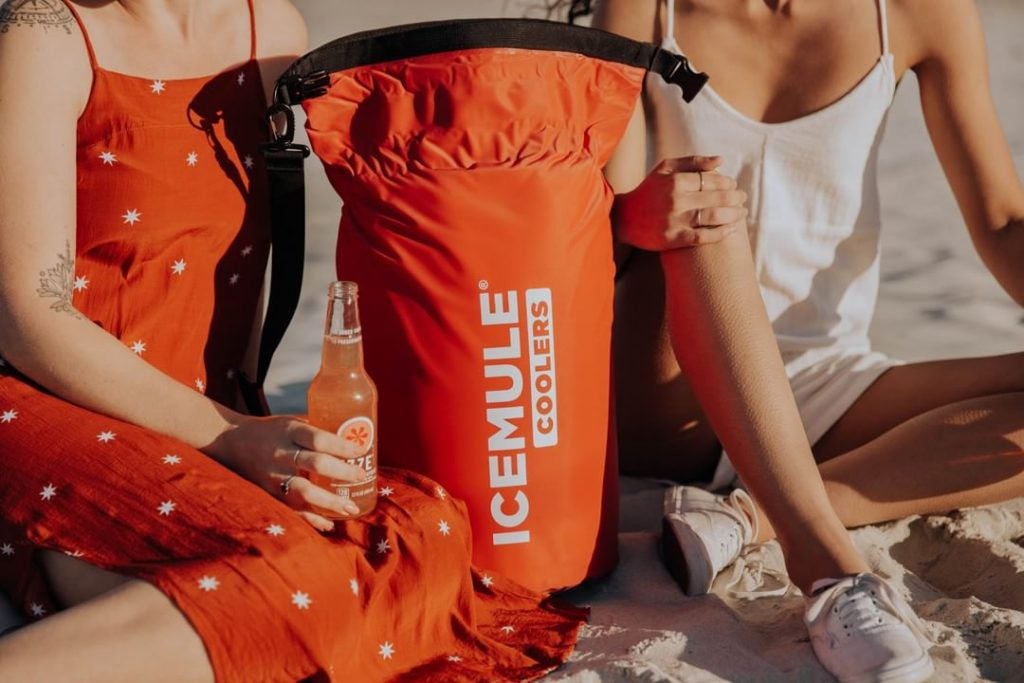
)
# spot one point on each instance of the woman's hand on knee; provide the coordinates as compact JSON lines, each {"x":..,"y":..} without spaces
{"x":280,"y":453}
{"x":681,"y":203}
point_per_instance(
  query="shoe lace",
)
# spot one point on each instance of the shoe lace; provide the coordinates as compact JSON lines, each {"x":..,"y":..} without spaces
{"x":873,"y":605}
{"x":752,"y":576}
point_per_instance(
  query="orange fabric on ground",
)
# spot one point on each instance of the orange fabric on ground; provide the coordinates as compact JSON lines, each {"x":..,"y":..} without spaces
{"x":172,"y":242}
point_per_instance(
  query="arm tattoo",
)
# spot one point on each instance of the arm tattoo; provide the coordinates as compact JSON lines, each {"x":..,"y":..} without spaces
{"x":59,"y":283}
{"x":50,"y":14}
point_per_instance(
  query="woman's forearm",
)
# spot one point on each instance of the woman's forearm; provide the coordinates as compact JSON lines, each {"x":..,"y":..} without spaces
{"x":725,"y":345}
{"x":83,"y":364}
{"x":1002,"y":250}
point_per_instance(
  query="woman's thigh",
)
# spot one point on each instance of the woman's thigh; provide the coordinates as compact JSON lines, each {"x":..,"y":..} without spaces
{"x":906,"y":391}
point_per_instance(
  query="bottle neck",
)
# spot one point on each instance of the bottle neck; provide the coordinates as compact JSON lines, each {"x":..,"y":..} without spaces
{"x":343,"y":335}
{"x":342,"y":353}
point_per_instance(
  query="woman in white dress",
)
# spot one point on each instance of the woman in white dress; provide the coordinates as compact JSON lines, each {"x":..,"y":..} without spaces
{"x":800,"y":93}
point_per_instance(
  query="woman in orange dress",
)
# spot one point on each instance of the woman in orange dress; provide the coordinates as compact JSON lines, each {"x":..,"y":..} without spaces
{"x":144,"y":527}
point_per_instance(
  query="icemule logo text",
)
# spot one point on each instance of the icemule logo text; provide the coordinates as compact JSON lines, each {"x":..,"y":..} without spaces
{"x":506,"y":407}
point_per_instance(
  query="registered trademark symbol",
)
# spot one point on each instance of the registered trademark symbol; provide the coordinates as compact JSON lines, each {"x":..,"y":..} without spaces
{"x":483,"y":284}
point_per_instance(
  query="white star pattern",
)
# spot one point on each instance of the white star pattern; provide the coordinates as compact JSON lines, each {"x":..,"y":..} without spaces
{"x":179,"y":266}
{"x":508,"y":628}
{"x":8,"y":416}
{"x":166,"y":508}
{"x":231,"y":374}
{"x":275,"y":530}
{"x":7,"y":549}
{"x":74,"y":553}
{"x":241,"y":78}
{"x":301,"y":600}
{"x":109,"y":158}
{"x":387,"y":650}
{"x":200,"y":384}
{"x":486,"y":580}
{"x":386,"y":492}
{"x":37,"y":609}
{"x":454,"y":658}
{"x":192,"y":159}
{"x":106,"y":437}
{"x":138,"y":347}
{"x":171,"y":459}
{"x":443,"y":527}
{"x":157,"y":86}
{"x":383,"y":547}
{"x":248,"y":162}
{"x":132,"y":216}
{"x":352,"y":584}
{"x":208,"y":583}
{"x":246,"y":250}
{"x":233,"y":280}
{"x":48,"y":492}
{"x":81,"y":283}
{"x":440,"y":493}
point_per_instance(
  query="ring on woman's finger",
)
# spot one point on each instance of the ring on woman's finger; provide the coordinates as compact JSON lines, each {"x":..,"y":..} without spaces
{"x":295,"y":457}
{"x":286,"y":485}
{"x":697,"y":219}
{"x":700,"y":177}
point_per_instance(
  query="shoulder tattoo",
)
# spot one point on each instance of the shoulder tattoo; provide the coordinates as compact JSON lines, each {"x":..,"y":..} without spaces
{"x":47,"y":14}
{"x":58,"y":283}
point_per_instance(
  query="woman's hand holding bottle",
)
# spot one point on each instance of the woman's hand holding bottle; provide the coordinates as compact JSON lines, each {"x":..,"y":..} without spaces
{"x":277,"y":454}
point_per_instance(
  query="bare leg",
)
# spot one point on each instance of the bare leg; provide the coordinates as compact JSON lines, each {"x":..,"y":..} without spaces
{"x":725,"y":345}
{"x":969,"y":452}
{"x":131,"y":632}
{"x":659,"y":419}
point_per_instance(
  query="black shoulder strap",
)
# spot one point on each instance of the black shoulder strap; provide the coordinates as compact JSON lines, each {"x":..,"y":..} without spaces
{"x":285,"y":162}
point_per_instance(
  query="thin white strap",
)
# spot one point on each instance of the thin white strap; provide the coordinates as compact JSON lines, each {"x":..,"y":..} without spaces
{"x":670,"y":19}
{"x":884,"y":20}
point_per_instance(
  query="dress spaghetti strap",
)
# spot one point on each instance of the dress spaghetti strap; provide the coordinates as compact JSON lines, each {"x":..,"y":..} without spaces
{"x":252,"y":31}
{"x":85,"y":35}
{"x":883,"y":20}
{"x":670,"y":20}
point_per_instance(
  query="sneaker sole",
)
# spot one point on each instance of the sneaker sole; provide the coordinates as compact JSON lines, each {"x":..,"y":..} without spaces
{"x":678,"y":542}
{"x":917,"y":671}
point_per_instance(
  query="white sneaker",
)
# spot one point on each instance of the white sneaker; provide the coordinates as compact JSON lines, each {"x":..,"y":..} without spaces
{"x":863,"y":631}
{"x":702,"y":534}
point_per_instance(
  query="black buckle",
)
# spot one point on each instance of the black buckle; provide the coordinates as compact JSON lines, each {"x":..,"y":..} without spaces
{"x":282,"y":144}
{"x":676,"y":69}
{"x":293,"y":90}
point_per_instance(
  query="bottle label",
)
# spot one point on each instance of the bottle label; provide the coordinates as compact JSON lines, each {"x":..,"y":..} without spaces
{"x":360,"y":433}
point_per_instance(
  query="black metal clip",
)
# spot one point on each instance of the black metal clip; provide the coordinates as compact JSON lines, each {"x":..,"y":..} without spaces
{"x":282,"y":143}
{"x":675,"y":68}
{"x":294,"y":89}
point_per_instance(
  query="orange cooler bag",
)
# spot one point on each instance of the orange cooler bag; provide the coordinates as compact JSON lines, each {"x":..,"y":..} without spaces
{"x":469,"y":157}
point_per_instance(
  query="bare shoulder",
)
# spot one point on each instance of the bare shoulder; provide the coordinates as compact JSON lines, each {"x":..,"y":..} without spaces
{"x":636,"y":19}
{"x":935,"y":29}
{"x":281,"y":29}
{"x":43,"y":55}
{"x":43,"y":15}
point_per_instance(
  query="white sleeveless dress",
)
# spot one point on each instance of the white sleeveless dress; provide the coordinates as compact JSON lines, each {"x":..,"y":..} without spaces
{"x":814,"y":222}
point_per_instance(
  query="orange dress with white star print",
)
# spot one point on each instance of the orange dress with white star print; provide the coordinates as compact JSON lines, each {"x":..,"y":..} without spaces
{"x":172,"y":242}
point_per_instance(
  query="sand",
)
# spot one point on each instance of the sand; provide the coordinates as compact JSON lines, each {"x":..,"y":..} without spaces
{"x":961,"y":572}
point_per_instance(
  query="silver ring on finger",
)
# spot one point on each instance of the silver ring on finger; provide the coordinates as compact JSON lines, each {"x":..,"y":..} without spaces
{"x":286,"y":485}
{"x":700,"y":177}
{"x":295,"y":457}
{"x":698,"y":222}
